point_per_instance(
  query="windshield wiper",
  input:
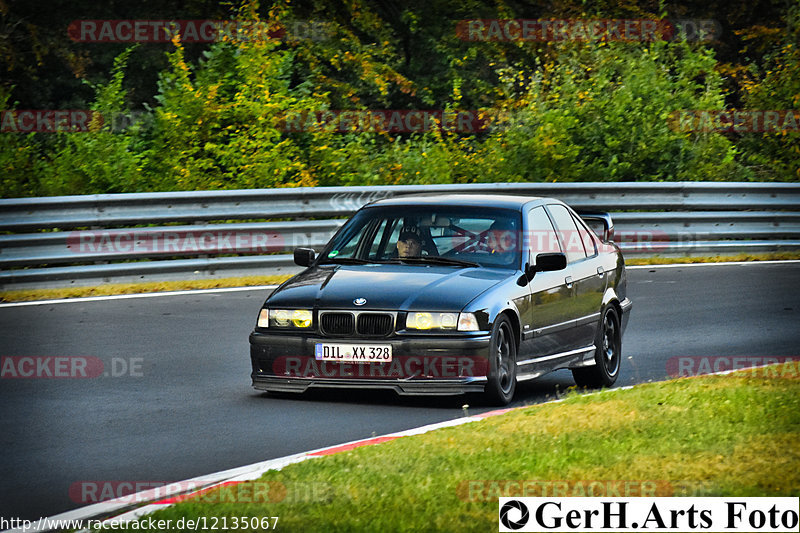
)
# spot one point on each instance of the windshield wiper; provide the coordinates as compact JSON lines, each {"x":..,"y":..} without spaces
{"x":357,"y":261}
{"x":438,"y":260}
{"x":423,"y":259}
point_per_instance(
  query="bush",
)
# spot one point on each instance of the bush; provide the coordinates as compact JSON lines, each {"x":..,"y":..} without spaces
{"x":602,"y":113}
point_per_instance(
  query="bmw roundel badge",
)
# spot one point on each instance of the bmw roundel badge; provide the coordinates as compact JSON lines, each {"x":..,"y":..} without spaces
{"x":360,"y":301}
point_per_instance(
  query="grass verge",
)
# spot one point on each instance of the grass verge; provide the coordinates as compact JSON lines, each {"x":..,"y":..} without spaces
{"x":732,"y":435}
{"x":137,"y":288}
{"x":773,"y":256}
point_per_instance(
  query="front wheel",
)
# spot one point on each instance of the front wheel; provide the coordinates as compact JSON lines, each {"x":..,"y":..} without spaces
{"x":502,"y":363}
{"x":607,"y":354}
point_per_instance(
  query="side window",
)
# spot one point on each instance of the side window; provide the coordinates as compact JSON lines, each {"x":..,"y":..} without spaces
{"x":541,"y":236}
{"x":381,"y":240}
{"x":586,"y":237}
{"x":349,"y":249}
{"x":568,"y":231}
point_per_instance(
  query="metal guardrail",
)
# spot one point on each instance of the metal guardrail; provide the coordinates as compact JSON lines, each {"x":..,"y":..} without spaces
{"x":136,"y":243}
{"x":76,"y":240}
{"x":152,"y":208}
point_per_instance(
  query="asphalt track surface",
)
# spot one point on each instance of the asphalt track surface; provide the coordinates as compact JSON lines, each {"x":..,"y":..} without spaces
{"x":188,"y":409}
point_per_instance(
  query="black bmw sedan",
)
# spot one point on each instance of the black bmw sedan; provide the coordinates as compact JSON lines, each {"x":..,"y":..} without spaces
{"x":448,"y":295}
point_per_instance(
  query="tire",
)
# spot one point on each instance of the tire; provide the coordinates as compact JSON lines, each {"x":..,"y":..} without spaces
{"x":502,"y":379}
{"x":607,"y":353}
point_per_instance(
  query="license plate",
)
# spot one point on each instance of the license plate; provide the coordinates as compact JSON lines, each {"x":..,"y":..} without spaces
{"x":370,"y":353}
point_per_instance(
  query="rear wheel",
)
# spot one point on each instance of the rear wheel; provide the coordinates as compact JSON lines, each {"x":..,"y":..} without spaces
{"x":502,"y":363}
{"x":607,"y":356}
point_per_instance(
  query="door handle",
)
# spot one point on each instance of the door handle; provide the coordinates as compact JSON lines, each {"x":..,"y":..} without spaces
{"x":568,"y":281}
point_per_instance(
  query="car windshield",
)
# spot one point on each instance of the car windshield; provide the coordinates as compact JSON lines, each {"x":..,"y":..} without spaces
{"x":458,"y":236}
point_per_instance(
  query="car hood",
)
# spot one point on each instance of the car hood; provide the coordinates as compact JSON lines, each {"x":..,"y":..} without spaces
{"x":387,"y":287}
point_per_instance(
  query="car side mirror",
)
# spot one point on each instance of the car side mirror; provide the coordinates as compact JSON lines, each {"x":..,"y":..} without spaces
{"x":544,"y":263}
{"x":550,"y":262}
{"x":304,"y":256}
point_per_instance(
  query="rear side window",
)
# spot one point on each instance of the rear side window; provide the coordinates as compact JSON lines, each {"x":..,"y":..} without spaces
{"x":541,"y":237}
{"x":571,"y":238}
{"x":586,"y":237}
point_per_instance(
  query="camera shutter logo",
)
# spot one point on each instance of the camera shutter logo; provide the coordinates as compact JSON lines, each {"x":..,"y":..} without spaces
{"x":523,"y":511}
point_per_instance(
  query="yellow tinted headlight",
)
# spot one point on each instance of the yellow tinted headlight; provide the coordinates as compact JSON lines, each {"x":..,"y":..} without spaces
{"x":422,"y":320}
{"x":290,"y":318}
{"x":301,"y":318}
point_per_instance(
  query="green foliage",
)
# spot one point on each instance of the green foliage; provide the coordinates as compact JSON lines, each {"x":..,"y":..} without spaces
{"x":591,"y":111}
{"x":602,"y":113}
{"x":220,"y":128}
{"x":100,"y":160}
{"x":776,"y":155}
{"x":18,"y":159}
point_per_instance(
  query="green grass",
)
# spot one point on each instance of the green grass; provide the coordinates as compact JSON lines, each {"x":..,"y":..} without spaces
{"x":773,"y":256}
{"x":733,"y":435}
{"x":137,"y":288}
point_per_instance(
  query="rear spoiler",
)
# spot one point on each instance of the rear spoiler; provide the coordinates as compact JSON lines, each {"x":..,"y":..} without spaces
{"x":600,"y":222}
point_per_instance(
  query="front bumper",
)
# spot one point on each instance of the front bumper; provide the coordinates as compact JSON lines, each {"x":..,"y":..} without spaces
{"x":439,"y":387}
{"x":425,"y":365}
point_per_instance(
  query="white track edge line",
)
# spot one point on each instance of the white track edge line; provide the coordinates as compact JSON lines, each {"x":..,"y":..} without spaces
{"x":725,"y":263}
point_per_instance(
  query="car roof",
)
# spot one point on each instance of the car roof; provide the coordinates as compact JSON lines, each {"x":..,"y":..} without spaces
{"x":470,"y":200}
